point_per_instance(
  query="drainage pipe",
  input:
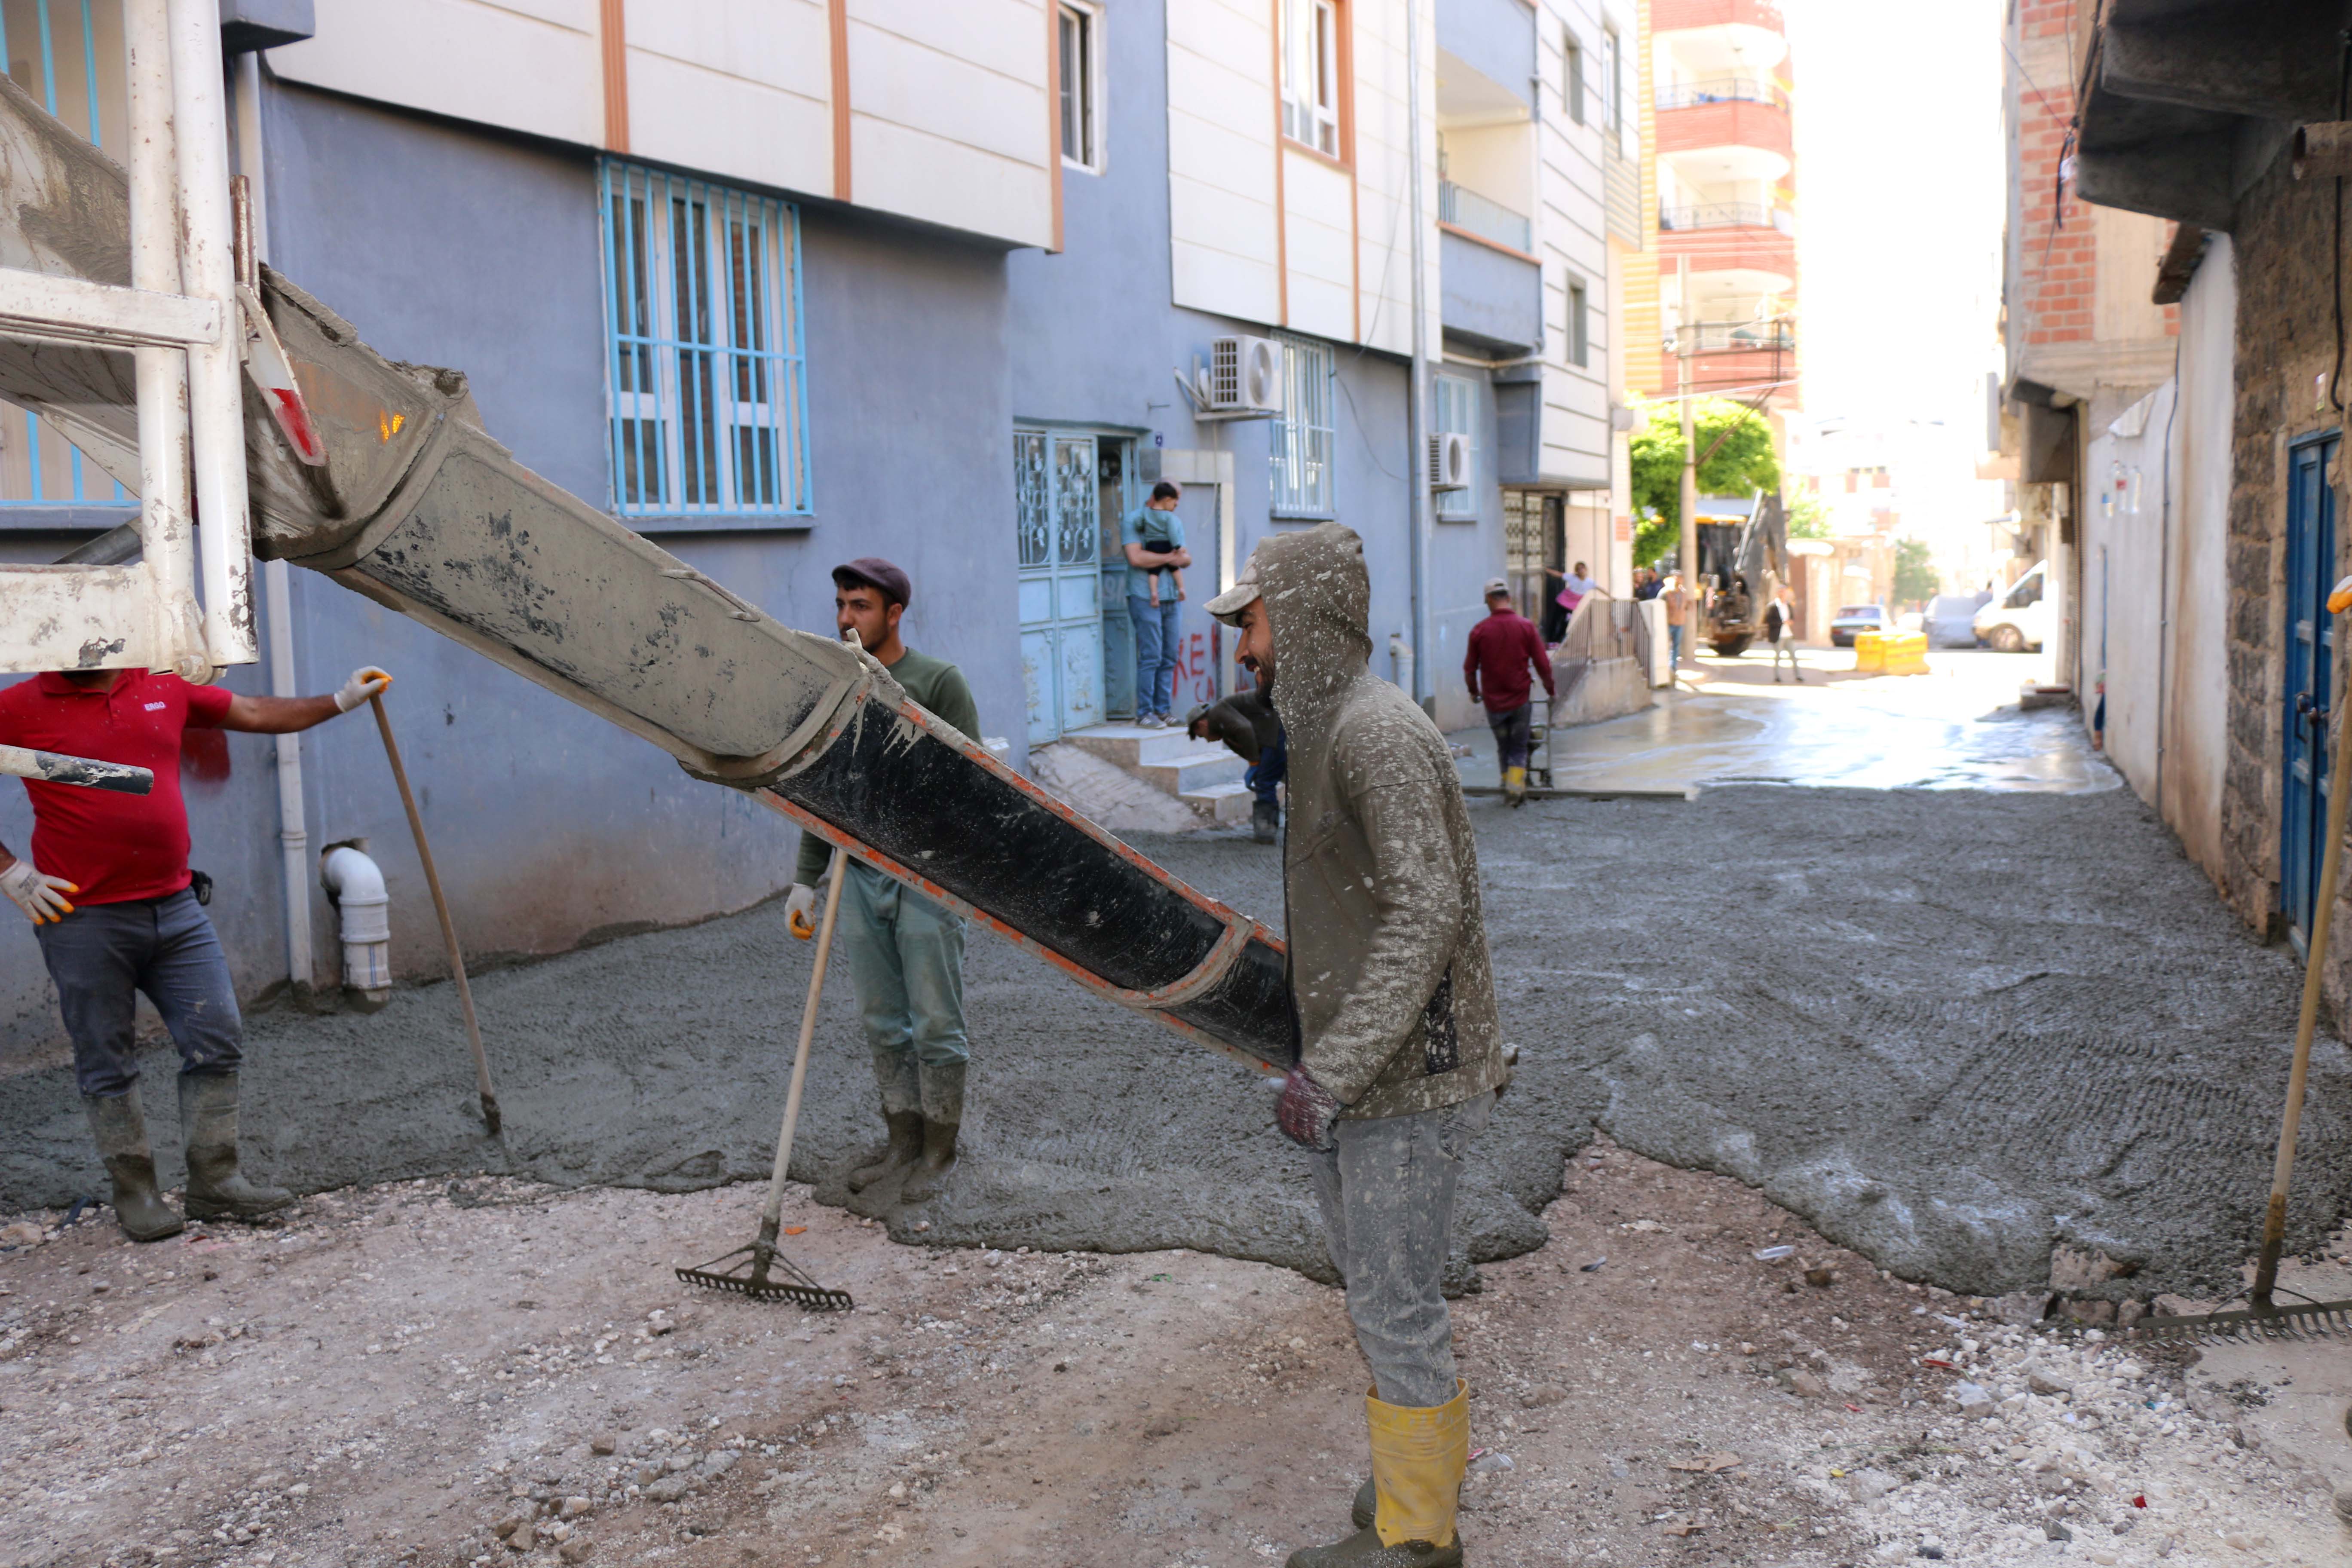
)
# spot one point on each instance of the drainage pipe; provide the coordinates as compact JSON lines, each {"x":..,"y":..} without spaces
{"x":355,"y":882}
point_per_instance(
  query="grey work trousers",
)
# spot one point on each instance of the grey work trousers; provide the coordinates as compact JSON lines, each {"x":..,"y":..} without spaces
{"x":101,"y":955}
{"x":1387,"y":1197}
{"x":906,"y":958}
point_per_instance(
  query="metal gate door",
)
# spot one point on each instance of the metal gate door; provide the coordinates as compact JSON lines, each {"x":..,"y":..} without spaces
{"x":2310,"y":685}
{"x":1061,"y":608}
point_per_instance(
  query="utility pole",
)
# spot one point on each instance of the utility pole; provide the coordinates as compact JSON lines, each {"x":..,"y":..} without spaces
{"x":1417,"y":405}
{"x":1687,"y":547}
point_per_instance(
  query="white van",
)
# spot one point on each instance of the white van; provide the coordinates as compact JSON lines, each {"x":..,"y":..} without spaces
{"x":2019,"y":619}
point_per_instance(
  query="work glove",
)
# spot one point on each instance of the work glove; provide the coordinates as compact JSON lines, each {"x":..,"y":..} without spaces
{"x":1305,"y":1111}
{"x":39,"y":895}
{"x":366,"y":682}
{"x":800,"y":910}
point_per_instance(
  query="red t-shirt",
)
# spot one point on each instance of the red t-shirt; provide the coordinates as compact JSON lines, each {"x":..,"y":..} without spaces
{"x":115,"y":847}
{"x":1502,"y":647}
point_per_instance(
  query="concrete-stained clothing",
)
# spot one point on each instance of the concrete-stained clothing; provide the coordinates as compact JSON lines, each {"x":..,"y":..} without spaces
{"x":906,"y":960}
{"x":1244,"y":722}
{"x":102,"y":956}
{"x":939,"y":688}
{"x":1389,"y":970}
{"x":1387,"y":1199}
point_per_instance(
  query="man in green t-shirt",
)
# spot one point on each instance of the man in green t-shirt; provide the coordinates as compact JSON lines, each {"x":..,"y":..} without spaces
{"x":905,"y":950}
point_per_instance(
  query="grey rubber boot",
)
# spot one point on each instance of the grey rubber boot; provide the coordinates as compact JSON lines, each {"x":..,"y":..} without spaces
{"x":906,"y":1148}
{"x":943,"y":1119}
{"x":1367,"y":1503}
{"x":1265,"y":821}
{"x":118,"y":1123}
{"x":216,"y":1189}
{"x":1363,"y":1549}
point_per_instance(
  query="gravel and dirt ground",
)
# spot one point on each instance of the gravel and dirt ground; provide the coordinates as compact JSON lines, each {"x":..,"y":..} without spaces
{"x":492,"y":1371}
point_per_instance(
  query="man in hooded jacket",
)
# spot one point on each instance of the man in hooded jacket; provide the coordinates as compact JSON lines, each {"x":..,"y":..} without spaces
{"x":1400,"y":1049}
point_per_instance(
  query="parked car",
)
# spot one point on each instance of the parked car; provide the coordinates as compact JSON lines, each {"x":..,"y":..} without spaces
{"x":1857,"y":618}
{"x":2019,"y":619}
{"x":1951,"y":619}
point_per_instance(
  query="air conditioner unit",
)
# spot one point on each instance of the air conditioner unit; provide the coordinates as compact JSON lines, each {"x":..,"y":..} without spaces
{"x":1244,"y":375}
{"x":1449,"y":461}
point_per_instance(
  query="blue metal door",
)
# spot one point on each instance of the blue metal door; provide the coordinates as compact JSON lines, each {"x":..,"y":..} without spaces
{"x":1061,"y":610}
{"x":2310,"y":667}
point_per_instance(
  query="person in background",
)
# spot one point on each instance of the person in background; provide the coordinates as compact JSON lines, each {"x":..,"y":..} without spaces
{"x":1246,"y":724}
{"x":1781,"y":631}
{"x":1574,"y":587}
{"x":107,"y":886}
{"x":1678,"y":602}
{"x":1153,"y":524}
{"x":905,"y":950}
{"x":1502,"y":648}
{"x":1646,"y":582}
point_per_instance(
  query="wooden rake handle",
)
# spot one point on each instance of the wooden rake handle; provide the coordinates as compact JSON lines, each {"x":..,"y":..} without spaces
{"x":772,"y":1215}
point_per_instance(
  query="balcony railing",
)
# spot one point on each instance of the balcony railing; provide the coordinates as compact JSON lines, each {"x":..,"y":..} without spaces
{"x":1723,"y":89}
{"x":1732,"y":337}
{"x":1488,"y":219}
{"x":1728,"y":214}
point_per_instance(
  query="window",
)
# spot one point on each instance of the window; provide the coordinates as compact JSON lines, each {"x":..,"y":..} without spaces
{"x":1613,"y":96}
{"x":1310,"y":73}
{"x":1304,"y":434}
{"x":1457,"y":415}
{"x":1580,"y":328}
{"x":1081,"y":35}
{"x":705,"y":368}
{"x":1572,"y":78}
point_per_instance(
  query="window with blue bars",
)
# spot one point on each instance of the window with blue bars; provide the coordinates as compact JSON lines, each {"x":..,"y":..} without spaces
{"x":69,"y":54}
{"x":706,"y":372}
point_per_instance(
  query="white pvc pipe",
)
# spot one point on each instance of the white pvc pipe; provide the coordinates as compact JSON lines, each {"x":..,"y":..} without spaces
{"x":356,"y":884}
{"x":165,"y":527}
{"x":276,"y":590}
{"x":216,"y":390}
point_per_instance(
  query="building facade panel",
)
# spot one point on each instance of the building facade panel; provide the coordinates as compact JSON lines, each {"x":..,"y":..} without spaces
{"x":469,"y":60}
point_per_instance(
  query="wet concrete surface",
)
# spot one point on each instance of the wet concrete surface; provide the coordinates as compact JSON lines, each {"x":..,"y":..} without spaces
{"x":1948,"y":1026}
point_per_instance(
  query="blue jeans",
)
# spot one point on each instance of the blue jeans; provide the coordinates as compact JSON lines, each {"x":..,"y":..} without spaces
{"x":906,"y":958}
{"x":1272,"y":766}
{"x":1674,"y":647}
{"x":101,"y":955}
{"x":1155,"y":642}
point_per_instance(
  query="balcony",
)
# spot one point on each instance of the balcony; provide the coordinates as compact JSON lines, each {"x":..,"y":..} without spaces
{"x":1727,"y":139}
{"x":1738,"y":247}
{"x":1733,"y":355}
{"x":1489,"y":298}
{"x":1468,"y":210}
{"x":1724,"y":90}
{"x":1727,"y":214}
{"x":1733,"y":337}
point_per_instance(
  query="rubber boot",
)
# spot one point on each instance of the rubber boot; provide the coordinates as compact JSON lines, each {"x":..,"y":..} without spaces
{"x":118,"y":1123}
{"x":1515,"y":785}
{"x":1418,"y":1459}
{"x":943,"y":1119}
{"x":1265,"y":821}
{"x":216,"y":1190}
{"x":906,"y":1148}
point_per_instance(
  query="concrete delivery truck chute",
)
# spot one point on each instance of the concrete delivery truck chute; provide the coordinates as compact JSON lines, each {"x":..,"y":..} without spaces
{"x":411,"y":503}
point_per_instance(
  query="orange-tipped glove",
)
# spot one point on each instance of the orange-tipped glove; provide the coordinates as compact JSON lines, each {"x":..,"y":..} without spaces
{"x":366,"y":682}
{"x":800,"y":905}
{"x":2339,"y":598}
{"x":41,"y":896}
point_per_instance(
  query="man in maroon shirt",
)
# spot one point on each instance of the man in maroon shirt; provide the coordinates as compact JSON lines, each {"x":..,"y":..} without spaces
{"x":1502,"y":647}
{"x":106,"y":885}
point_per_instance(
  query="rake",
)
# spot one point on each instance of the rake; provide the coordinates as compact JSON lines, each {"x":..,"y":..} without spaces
{"x":2263,"y":1318}
{"x":762,"y":1270}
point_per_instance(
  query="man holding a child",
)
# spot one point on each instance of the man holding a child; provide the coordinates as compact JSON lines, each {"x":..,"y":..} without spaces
{"x":1154,"y":539}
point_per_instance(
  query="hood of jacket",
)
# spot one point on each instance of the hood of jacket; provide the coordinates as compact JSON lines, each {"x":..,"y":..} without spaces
{"x":1319,"y":606}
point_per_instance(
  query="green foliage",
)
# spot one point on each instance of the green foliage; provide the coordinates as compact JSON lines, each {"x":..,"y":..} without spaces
{"x":1916,"y":578}
{"x":1809,"y":518}
{"x":1655,"y":537}
{"x":1742,"y":463}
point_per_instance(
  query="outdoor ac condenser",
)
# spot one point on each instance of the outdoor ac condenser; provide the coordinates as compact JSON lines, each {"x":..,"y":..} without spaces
{"x":1449,"y":461}
{"x":1246,"y":375}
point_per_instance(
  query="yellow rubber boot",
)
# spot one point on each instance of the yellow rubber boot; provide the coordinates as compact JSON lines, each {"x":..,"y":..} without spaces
{"x":1419,"y":1455}
{"x":1514,"y":790}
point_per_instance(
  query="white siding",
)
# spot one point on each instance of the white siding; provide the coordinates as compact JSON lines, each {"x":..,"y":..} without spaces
{"x":1384,"y":236}
{"x":1572,"y":239}
{"x":741,"y":92}
{"x":528,"y":65}
{"x":1225,"y":248}
{"x":1322,"y":299}
{"x":949,"y":123}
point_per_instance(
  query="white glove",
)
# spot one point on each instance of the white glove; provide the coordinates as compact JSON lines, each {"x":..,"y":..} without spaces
{"x":39,"y":895}
{"x":366,"y":682}
{"x":800,"y":911}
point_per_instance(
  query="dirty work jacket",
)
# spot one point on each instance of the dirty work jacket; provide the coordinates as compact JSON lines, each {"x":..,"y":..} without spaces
{"x":1389,"y":972}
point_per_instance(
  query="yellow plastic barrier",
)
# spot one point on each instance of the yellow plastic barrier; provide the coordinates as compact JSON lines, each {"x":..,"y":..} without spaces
{"x":1890,"y":653}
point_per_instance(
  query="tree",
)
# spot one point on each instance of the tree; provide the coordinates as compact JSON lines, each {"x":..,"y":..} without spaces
{"x":1809,"y":518}
{"x":1915,"y":577}
{"x":1740,"y":464}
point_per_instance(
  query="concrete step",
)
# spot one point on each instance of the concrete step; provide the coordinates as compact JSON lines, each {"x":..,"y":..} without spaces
{"x":1194,"y":769}
{"x":1222,"y":803}
{"x":1131,"y":746}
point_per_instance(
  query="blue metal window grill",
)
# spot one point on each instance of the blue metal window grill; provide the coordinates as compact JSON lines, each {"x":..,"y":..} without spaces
{"x":1457,"y":415}
{"x":52,"y":49}
{"x":1306,"y":434}
{"x":706,"y":368}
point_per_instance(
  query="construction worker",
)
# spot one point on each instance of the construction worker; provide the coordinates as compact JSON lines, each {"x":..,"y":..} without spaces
{"x":107,"y":886}
{"x":1400,"y":1042}
{"x":1245,"y":723}
{"x":905,"y":950}
{"x":1503,"y":649}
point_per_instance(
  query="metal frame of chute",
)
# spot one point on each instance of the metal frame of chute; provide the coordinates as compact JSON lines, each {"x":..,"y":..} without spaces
{"x":181,"y":319}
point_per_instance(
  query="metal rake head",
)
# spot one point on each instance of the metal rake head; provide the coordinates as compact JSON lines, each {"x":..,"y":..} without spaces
{"x":765,"y":1274}
{"x":2307,"y":1321}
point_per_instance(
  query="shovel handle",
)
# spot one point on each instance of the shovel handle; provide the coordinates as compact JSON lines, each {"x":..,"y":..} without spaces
{"x":773,"y":1214}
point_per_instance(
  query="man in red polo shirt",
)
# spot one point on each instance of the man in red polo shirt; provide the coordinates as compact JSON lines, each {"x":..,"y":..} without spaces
{"x":107,"y":887}
{"x":1503,"y":649}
